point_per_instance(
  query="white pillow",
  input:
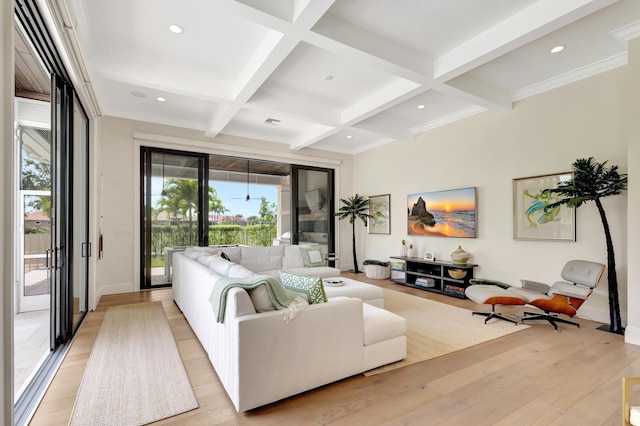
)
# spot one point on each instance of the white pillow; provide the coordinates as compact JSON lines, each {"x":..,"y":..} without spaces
{"x":219,"y":265}
{"x":239,"y":271}
{"x":311,"y":257}
{"x":204,"y":259}
{"x":193,"y":253}
{"x":261,"y":300}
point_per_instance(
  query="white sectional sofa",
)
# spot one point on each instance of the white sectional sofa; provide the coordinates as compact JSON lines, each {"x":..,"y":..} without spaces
{"x":271,"y":259}
{"x":260,"y":358}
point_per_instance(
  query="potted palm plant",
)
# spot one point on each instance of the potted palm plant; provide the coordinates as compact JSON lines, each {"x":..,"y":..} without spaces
{"x":355,"y":207}
{"x":593,"y":181}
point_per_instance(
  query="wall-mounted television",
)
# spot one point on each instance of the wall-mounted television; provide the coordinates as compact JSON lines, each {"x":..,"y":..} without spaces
{"x":450,"y":213}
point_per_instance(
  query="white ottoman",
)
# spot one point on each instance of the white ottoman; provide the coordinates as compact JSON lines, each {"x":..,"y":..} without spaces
{"x":371,"y":294}
{"x":384,"y":336}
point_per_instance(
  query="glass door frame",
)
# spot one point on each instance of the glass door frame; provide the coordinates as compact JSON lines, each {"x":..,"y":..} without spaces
{"x":202,"y":212}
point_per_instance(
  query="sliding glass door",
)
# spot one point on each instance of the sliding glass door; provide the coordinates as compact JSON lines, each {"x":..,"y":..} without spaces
{"x":52,"y":237}
{"x":174,"y":209}
{"x":313,"y":205}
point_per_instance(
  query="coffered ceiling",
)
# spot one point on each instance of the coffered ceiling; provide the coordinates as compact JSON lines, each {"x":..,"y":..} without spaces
{"x":338,"y":75}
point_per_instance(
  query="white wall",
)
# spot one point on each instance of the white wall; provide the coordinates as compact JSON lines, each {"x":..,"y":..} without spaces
{"x":117,"y":168}
{"x":541,"y":135}
{"x":632,"y":333}
{"x":6,"y":171}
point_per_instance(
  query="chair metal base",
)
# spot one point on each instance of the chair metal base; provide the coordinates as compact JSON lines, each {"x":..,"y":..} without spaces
{"x":553,"y":319}
{"x":494,"y":314}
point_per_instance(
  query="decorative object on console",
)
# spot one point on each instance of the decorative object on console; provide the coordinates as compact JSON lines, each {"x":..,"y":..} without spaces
{"x":450,"y":213}
{"x":458,"y":274}
{"x":429,"y":256}
{"x":380,"y":211}
{"x":354,"y":207}
{"x":533,"y":219}
{"x":459,"y":256}
{"x":411,"y":252}
{"x":403,"y":248}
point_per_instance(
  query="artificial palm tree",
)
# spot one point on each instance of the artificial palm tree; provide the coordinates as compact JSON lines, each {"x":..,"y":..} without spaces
{"x":593,"y":181}
{"x":355,"y":207}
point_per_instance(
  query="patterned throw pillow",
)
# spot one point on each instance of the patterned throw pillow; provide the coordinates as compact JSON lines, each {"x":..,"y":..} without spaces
{"x":311,"y":257}
{"x":310,"y":288}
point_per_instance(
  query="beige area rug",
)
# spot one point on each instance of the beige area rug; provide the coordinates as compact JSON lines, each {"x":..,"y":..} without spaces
{"x":134,"y":375}
{"x":435,"y":329}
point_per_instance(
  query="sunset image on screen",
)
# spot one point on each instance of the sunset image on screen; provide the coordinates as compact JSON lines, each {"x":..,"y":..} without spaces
{"x":443,"y":213}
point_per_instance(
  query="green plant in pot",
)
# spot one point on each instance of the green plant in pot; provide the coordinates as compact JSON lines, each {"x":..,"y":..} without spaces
{"x":354,"y":207}
{"x":593,"y":181}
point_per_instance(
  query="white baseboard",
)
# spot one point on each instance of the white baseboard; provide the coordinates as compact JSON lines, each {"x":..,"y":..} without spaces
{"x":594,"y":314}
{"x":632,"y":335}
{"x":115,"y":288}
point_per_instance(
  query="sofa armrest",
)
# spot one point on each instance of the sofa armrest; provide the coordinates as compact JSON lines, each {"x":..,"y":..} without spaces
{"x":535,"y":286}
{"x":324,"y":343}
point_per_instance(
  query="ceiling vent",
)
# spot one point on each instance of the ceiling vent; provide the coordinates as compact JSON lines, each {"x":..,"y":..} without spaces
{"x":272,"y":121}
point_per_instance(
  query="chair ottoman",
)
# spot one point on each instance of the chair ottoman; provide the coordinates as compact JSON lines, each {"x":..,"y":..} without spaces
{"x":493,"y":295}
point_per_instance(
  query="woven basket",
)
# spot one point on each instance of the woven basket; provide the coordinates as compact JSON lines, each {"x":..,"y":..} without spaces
{"x":377,"y":272}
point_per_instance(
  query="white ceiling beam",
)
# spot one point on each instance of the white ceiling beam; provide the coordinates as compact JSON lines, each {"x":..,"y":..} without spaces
{"x":273,"y":51}
{"x":477,"y":92}
{"x":381,"y":100}
{"x":539,"y":19}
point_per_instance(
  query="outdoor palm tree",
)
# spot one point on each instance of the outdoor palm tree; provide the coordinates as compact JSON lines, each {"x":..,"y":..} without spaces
{"x":593,"y":181}
{"x":355,"y":207}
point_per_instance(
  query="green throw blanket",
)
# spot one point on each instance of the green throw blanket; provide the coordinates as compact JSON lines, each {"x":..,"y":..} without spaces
{"x":279,"y":296}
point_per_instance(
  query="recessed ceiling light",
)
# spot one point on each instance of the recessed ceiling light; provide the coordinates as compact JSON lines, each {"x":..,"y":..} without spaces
{"x":328,"y":77}
{"x":138,"y":94}
{"x":349,"y":137}
{"x":421,"y":106}
{"x":272,"y":121}
{"x":160,"y":99}
{"x":557,"y":49}
{"x":176,"y":29}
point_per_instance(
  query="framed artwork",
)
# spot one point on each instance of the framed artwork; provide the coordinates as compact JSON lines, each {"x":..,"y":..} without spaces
{"x":450,"y":213}
{"x":380,"y":209}
{"x":428,"y":255}
{"x":531,"y":221}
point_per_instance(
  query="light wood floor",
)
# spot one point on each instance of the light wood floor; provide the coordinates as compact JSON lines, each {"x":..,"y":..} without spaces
{"x":534,"y":377}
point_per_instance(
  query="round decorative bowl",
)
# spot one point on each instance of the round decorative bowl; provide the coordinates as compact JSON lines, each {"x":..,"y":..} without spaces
{"x":458,"y":274}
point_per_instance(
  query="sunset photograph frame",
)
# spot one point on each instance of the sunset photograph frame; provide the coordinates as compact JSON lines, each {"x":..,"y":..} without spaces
{"x":447,"y":213}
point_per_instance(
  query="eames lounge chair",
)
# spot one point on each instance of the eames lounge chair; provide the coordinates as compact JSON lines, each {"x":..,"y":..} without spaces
{"x":563,"y":297}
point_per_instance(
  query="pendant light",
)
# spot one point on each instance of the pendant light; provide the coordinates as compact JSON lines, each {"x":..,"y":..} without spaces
{"x":164,"y":192}
{"x":248,"y":196}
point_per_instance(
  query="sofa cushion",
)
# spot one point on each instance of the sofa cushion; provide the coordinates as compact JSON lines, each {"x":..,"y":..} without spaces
{"x":194,"y":252}
{"x":260,"y":259}
{"x":220,"y":265}
{"x":261,"y":300}
{"x":380,"y":325}
{"x":311,"y":257}
{"x":204,"y":259}
{"x":239,"y":271}
{"x":310,"y":288}
{"x":292,"y":257}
